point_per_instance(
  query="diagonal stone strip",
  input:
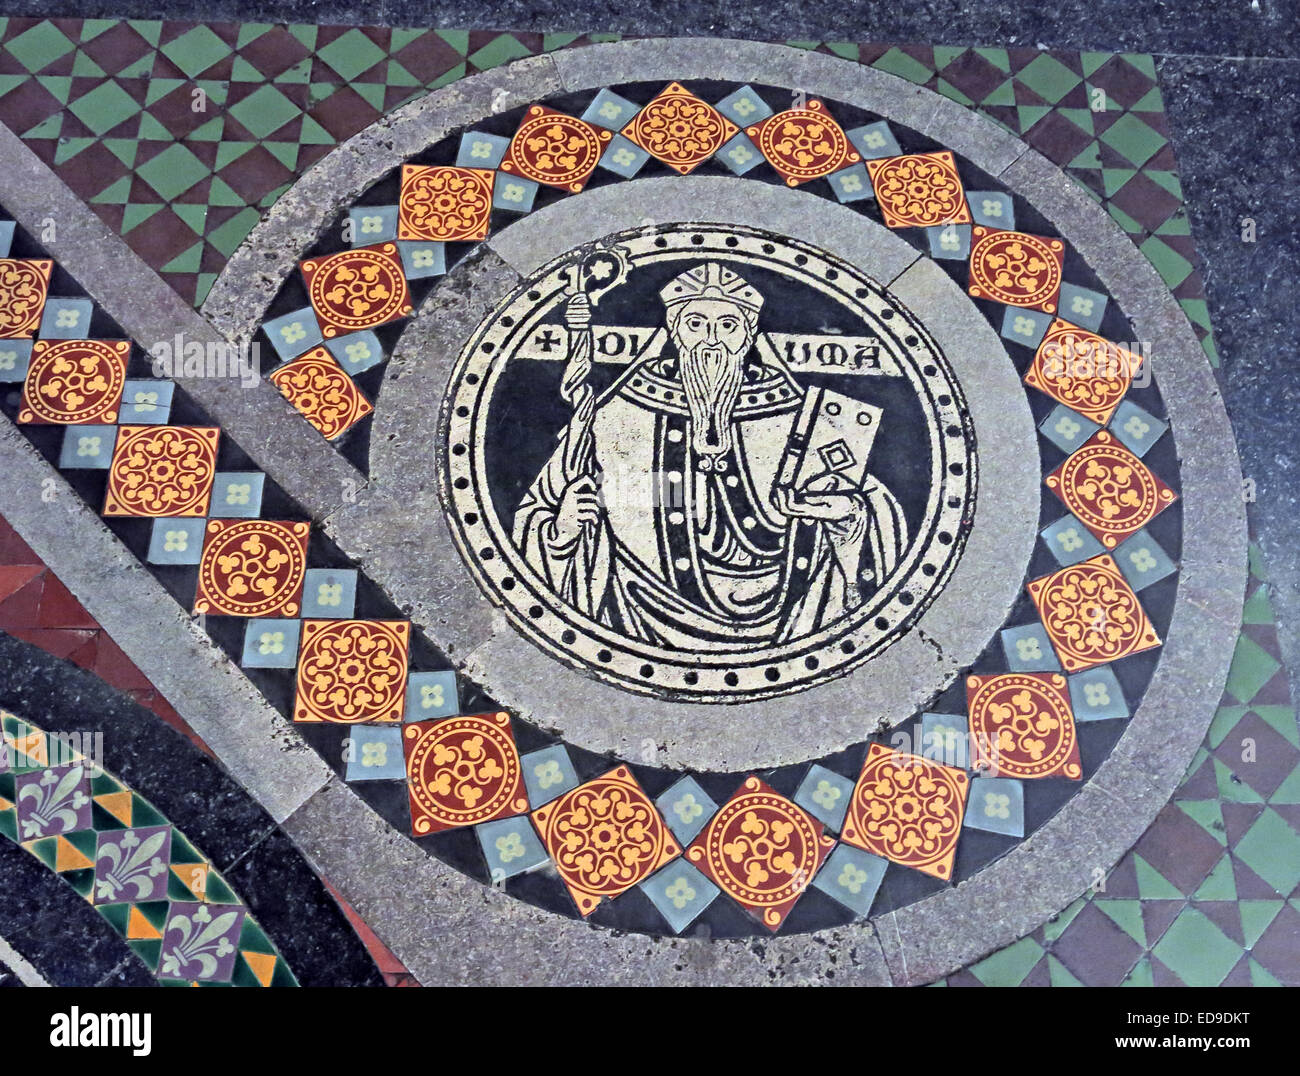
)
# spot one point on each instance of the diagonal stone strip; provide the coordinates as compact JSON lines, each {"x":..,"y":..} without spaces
{"x":256,"y":416}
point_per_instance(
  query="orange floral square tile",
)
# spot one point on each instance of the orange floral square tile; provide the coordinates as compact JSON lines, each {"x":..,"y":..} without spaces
{"x":321,"y":389}
{"x":605,"y":837}
{"x":1113,"y":493}
{"x":162,"y":471}
{"x":1091,"y":614}
{"x":252,"y":567}
{"x":1022,"y":725}
{"x":74,"y":382}
{"x":803,"y":144}
{"x":555,"y":149}
{"x":462,"y":771}
{"x":357,"y":289}
{"x":1016,"y":268}
{"x":762,"y":850}
{"x":445,"y":204}
{"x":919,"y":190}
{"x":680,"y":129}
{"x":908,"y":810}
{"x":352,"y":671}
{"x":1082,"y":370}
{"x":24,"y":287}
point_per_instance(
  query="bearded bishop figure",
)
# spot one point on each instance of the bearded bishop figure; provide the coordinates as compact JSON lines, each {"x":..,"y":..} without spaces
{"x":679,"y":532}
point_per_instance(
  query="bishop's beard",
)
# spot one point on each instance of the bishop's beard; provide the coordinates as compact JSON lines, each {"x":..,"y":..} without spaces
{"x":711,"y":378}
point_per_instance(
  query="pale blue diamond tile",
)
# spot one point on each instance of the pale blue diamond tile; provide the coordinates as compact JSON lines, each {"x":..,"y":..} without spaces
{"x":851,"y":184}
{"x":373,"y":224}
{"x":1096,"y":695}
{"x":146,"y":402}
{"x":739,"y":154}
{"x":951,"y":241}
{"x":623,"y":157}
{"x":421,"y":258}
{"x":548,"y":773}
{"x":510,"y":846}
{"x":431,"y":694}
{"x":329,"y":593}
{"x":237,"y":494}
{"x":686,"y":808}
{"x":374,"y":753}
{"x":1081,"y":306}
{"x":15,"y":357}
{"x":293,"y":333}
{"x":852,"y":877}
{"x":480,"y":150}
{"x":1136,"y":427}
{"x":874,"y":141}
{"x":1070,"y":541}
{"x":1028,"y":649}
{"x":680,"y":893}
{"x":514,"y":193}
{"x":1026,"y":327}
{"x":993,"y":209}
{"x":87,"y":447}
{"x":176,"y":541}
{"x":271,"y":644}
{"x":1142,"y":561}
{"x":825,"y":795}
{"x":357,"y":352}
{"x":996,"y":805}
{"x":945,"y":739}
{"x":609,"y":110}
{"x":65,"y":319}
{"x":6,"y":237}
{"x":744,"y":107}
{"x":1067,"y":429}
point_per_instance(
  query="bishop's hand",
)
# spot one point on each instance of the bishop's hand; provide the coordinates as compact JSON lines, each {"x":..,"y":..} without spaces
{"x":821,"y":499}
{"x":579,"y":508}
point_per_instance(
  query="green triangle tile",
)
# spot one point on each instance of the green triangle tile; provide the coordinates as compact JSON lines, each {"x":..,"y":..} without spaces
{"x":372,"y":92}
{"x":1009,"y":966}
{"x":1178,"y":224}
{"x":115,"y":194}
{"x":217,"y":91}
{"x":143,"y":812}
{"x":1282,"y":718}
{"x":1211,"y":352}
{"x":1092,"y":61}
{"x":195,"y":215}
{"x":1252,"y":666}
{"x":313,"y":134}
{"x":1112,"y":179}
{"x":1059,"y":973}
{"x":228,"y":152}
{"x":399,"y":39}
{"x":218,"y":892}
{"x":1080,"y":117}
{"x":242,"y":71}
{"x":221,"y":194}
{"x":501,"y":49}
{"x":252,"y":937}
{"x":1140,"y":975}
{"x":1206,"y":814}
{"x":84,"y":67}
{"x":1151,"y":102}
{"x":47,"y":128}
{"x":8,"y":82}
{"x":297,"y":74}
{"x":284,"y":152}
{"x":153,"y":131}
{"x":1048,"y":77}
{"x":897,"y":62}
{"x":1053,"y":929}
{"x":187,"y":261}
{"x":997,"y":57}
{"x":945,"y":54}
{"x":1255,"y":918}
{"x":1271,"y":848}
{"x":103,"y":784}
{"x":1166,"y":179}
{"x":159,"y":88}
{"x":306,"y":34}
{"x":84,"y":841}
{"x":1124,"y":220}
{"x":1225,"y":720}
{"x":1134,"y":139}
{"x":149,"y":29}
{"x":155,"y":911}
{"x":207,"y":132}
{"x":1142,"y":62}
{"x":399,"y":75}
{"x":1031,"y":114}
{"x":82,"y":881}
{"x":39,"y":46}
{"x":952,"y":93}
{"x":229,"y":235}
{"x":140,"y":69}
{"x":92,"y":28}
{"x":242,"y":975}
{"x":59,"y":86}
{"x":9,"y":824}
{"x":1127,"y":915}
{"x":1089,"y":157}
{"x":1003,"y":95}
{"x":116,"y":914}
{"x":1259,"y":976}
{"x":807,"y":46}
{"x":250,"y":32}
{"x":124,"y":149}
{"x":204,"y":285}
{"x":1233,"y":791}
{"x":182,"y":850}
{"x":1220,"y":885}
{"x":457,"y":39}
{"x":604,"y":39}
{"x":448,"y":77}
{"x":844,"y":49}
{"x":1152,"y":885}
{"x":44,"y":850}
{"x":282,"y":976}
{"x":1255,"y":556}
{"x":147,"y":949}
{"x":1257,"y":609}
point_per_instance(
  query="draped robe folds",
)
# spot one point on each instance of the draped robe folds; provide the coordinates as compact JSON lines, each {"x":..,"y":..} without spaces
{"x":689,"y":553}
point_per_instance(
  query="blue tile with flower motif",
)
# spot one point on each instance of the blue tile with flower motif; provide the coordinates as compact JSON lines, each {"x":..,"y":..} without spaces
{"x":993,"y":209}
{"x":623,"y":157}
{"x":1142,"y":561}
{"x":744,"y":107}
{"x":372,"y":224}
{"x":1095,"y":695}
{"x":1081,"y":306}
{"x":146,"y":402}
{"x":478,"y":149}
{"x":329,"y":593}
{"x":1067,"y":429}
{"x":739,"y":154}
{"x":852,"y":877}
{"x":1025,"y":326}
{"x":237,"y":495}
{"x":825,"y":795}
{"x":686,"y":808}
{"x":548,"y":773}
{"x":421,"y":258}
{"x":176,"y":541}
{"x":374,"y":753}
{"x":6,"y":237}
{"x":609,"y":110}
{"x":1070,"y":541}
{"x":851,"y":184}
{"x":515,"y":194}
{"x":1028,"y":649}
{"x":431,"y":694}
{"x":65,"y":319}
{"x":510,"y":846}
{"x":293,"y":333}
{"x":945,"y":739}
{"x":271,"y":643}
{"x":996,"y":805}
{"x":87,"y":447}
{"x":15,"y":358}
{"x":951,"y":241}
{"x":357,"y":352}
{"x":1136,"y":427}
{"x":874,"y":141}
{"x":680,"y":893}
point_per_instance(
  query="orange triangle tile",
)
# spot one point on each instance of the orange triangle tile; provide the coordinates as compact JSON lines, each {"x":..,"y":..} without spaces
{"x":5,"y":804}
{"x":194,"y":876}
{"x":68,"y":858}
{"x":263,"y":965}
{"x":118,"y":804}
{"x":138,"y":928}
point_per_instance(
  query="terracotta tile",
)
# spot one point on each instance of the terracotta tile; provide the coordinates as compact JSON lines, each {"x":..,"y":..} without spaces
{"x":61,"y":642}
{"x":162,"y":471}
{"x":680,"y":129}
{"x":803,"y":144}
{"x":1022,"y":725}
{"x":114,"y":667}
{"x":24,"y":286}
{"x":1082,"y":370}
{"x":357,"y":289}
{"x":13,"y":577}
{"x":352,"y":671}
{"x":322,"y":390}
{"x":22,"y":608}
{"x":252,"y":567}
{"x":919,"y":190}
{"x":444,"y":203}
{"x":59,"y":609}
{"x":13,"y":550}
{"x":462,"y":771}
{"x":555,"y":149}
{"x":1016,"y":268}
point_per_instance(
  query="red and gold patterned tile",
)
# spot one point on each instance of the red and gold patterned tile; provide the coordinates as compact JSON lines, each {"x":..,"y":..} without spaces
{"x":919,"y":190}
{"x":605,"y":837}
{"x":352,"y":671}
{"x":1016,"y":268}
{"x":1022,"y":725}
{"x":462,"y":771}
{"x":803,"y":144}
{"x":445,"y":204}
{"x":252,"y":567}
{"x":321,"y":389}
{"x":908,"y":810}
{"x":162,"y":471}
{"x":762,"y":850}
{"x":24,"y":287}
{"x":1091,"y":614}
{"x":357,"y":289}
{"x":74,"y":382}
{"x":680,"y":129}
{"x":1082,"y":370}
{"x":1112,"y":492}
{"x":555,"y":149}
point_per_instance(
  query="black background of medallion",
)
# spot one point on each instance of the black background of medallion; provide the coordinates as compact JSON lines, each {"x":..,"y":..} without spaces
{"x":459,"y":848}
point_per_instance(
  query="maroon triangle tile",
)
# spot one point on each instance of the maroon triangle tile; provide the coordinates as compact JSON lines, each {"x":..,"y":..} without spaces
{"x":161,"y":238}
{"x":164,"y":68}
{"x":117,"y":48}
{"x":212,"y":260}
{"x":1179,"y":849}
{"x":1021,"y":56}
{"x":1121,"y":883}
{"x":84,"y":656}
{"x":1240,"y":974}
{"x":963,"y":978}
{"x":1290,"y":813}
{"x":428,"y":58}
{"x":1057,"y":138}
{"x":1004,"y":114}
{"x":57,"y":641}
{"x":1039,"y":975}
{"x":196,"y":195}
{"x":91,"y":171}
{"x":115,"y":668}
{"x":1124,"y":84}
{"x":59,"y":609}
{"x":22,"y":607}
{"x":1163,"y":976}
{"x":13,"y":577}
{"x":26,"y":105}
{"x":254,"y":174}
{"x":1201,"y":785}
{"x":1157,"y":915}
{"x":343,"y":113}
{"x":1145,"y":201}
{"x":112,"y":215}
{"x":186,"y":285}
{"x":1077,"y":97}
{"x":1225,"y":915}
{"x":1095,"y":950}
{"x":1157,"y":121}
{"x":1278,"y":948}
{"x":1250,"y":886}
{"x":1238,"y":818}
{"x":1270,"y":758}
{"x":973,"y":75}
{"x":13,"y":550}
{"x":1027,"y":97}
{"x":274,"y":52}
{"x":1164,"y":160}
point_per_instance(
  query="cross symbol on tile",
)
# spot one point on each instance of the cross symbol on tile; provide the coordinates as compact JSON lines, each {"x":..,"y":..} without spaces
{"x":547,"y":340}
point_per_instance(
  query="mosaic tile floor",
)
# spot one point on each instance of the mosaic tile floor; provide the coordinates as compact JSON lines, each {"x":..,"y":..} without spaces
{"x":782,"y":505}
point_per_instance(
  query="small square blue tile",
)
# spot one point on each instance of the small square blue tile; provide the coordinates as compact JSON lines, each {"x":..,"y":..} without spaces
{"x":945,"y":738}
{"x":510,"y":846}
{"x":480,"y":150}
{"x":874,"y":141}
{"x":951,"y":241}
{"x":740,"y":154}
{"x":271,"y":644}
{"x":1136,"y":427}
{"x":1095,"y":695}
{"x":293,"y":333}
{"x":1024,"y":326}
{"x":851,"y":184}
{"x":1028,"y":649}
{"x":329,"y":593}
{"x":422,"y":259}
{"x":993,"y":209}
{"x":1142,"y":561}
{"x":680,"y":893}
{"x":1081,"y":306}
{"x":996,"y":805}
{"x":237,"y":495}
{"x":375,"y":754}
{"x":431,"y":694}
{"x":623,"y":157}
{"x":514,"y":193}
{"x":65,"y":319}
{"x":610,"y":111}
{"x":373,"y":224}
{"x":146,"y":402}
{"x":6,"y":237}
{"x":852,"y":877}
{"x":744,"y":107}
{"x":686,"y":808}
{"x":15,"y":357}
{"x":825,"y":795}
{"x":176,"y":541}
{"x":87,"y":447}
{"x":357,"y":351}
{"x":548,"y":773}
{"x":1067,"y":429}
{"x":1070,"y":541}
